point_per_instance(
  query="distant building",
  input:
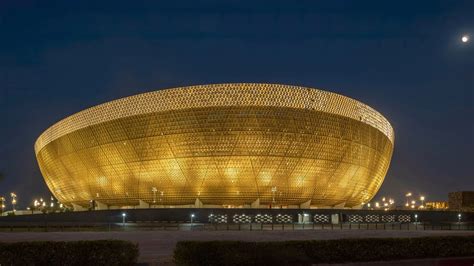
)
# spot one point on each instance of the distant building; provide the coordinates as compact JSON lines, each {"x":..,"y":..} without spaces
{"x":461,"y":200}
{"x":436,"y":205}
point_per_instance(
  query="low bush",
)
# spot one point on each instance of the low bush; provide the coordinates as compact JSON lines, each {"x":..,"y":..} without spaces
{"x":100,"y":252}
{"x":320,"y":251}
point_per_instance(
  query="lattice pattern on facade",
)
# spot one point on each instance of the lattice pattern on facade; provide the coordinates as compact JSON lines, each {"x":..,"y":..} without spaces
{"x":284,"y":218}
{"x":225,"y":144}
{"x":372,"y":218}
{"x":355,"y":218}
{"x":321,"y":218}
{"x":236,"y":94}
{"x":241,"y":219}
{"x":263,"y":218}
{"x":218,"y":218}
{"x":404,"y":218}
{"x":388,"y":218}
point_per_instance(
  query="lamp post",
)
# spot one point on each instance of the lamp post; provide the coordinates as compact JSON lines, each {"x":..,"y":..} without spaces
{"x":123,"y":218}
{"x":422,"y":199}
{"x":2,"y":205}
{"x":408,"y":195}
{"x":192,"y":219}
{"x":13,"y":196}
{"x":154,"y":190}
{"x":274,"y":189}
{"x":459,"y":218}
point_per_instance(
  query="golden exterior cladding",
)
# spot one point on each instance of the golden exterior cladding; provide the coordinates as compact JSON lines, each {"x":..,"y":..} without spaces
{"x":223,"y":144}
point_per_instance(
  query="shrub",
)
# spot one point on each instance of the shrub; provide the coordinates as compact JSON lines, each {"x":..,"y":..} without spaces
{"x":320,"y":251}
{"x":100,"y":252}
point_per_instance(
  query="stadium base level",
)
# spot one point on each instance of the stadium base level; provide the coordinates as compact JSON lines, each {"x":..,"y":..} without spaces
{"x":246,"y":216}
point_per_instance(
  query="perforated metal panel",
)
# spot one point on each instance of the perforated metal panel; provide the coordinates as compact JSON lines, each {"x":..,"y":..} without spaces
{"x":356,"y":218}
{"x":404,"y":218}
{"x":218,"y":218}
{"x":372,"y":218}
{"x":388,"y":218}
{"x":284,"y":218}
{"x":224,"y":144}
{"x":241,"y":219}
{"x":263,"y":218}
{"x":321,"y":218}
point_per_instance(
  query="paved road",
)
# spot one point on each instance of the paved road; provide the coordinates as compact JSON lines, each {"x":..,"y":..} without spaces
{"x":156,"y":247}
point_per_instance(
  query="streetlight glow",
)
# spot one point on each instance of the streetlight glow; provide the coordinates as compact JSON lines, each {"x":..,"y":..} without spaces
{"x":13,"y":196}
{"x":123,"y":218}
{"x":192,"y":220}
{"x":2,"y":205}
{"x":154,"y":190}
{"x":465,"y":38}
{"x":274,"y":189}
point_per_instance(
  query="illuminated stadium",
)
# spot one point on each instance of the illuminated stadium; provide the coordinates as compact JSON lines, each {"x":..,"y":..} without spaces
{"x":220,"y":145}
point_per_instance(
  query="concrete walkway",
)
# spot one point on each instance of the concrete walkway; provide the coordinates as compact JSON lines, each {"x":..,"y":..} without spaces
{"x":156,"y":247}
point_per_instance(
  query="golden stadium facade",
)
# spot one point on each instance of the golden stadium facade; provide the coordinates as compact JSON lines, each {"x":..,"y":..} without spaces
{"x":219,"y":145}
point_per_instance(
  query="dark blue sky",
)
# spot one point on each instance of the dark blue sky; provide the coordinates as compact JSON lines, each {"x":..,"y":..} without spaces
{"x":404,"y":58}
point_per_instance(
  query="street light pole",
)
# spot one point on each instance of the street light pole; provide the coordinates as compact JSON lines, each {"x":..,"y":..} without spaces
{"x":123,"y":218}
{"x":408,"y":195}
{"x":13,"y":196}
{"x":274,"y":189}
{"x":422,"y":199}
{"x":2,"y":205}
{"x":154,"y":190}
{"x":192,"y":219}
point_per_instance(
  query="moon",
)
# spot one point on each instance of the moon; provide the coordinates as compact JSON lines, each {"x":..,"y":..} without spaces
{"x":465,"y":38}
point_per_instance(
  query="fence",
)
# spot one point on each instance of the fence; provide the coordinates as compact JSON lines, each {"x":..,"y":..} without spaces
{"x":240,"y":219}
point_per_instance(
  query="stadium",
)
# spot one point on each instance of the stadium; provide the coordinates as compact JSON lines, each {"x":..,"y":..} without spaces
{"x":239,"y":145}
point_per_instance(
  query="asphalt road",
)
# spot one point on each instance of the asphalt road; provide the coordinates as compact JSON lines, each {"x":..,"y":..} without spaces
{"x":156,"y":247}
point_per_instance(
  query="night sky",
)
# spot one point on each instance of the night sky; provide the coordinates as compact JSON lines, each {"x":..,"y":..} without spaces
{"x":404,"y":58}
